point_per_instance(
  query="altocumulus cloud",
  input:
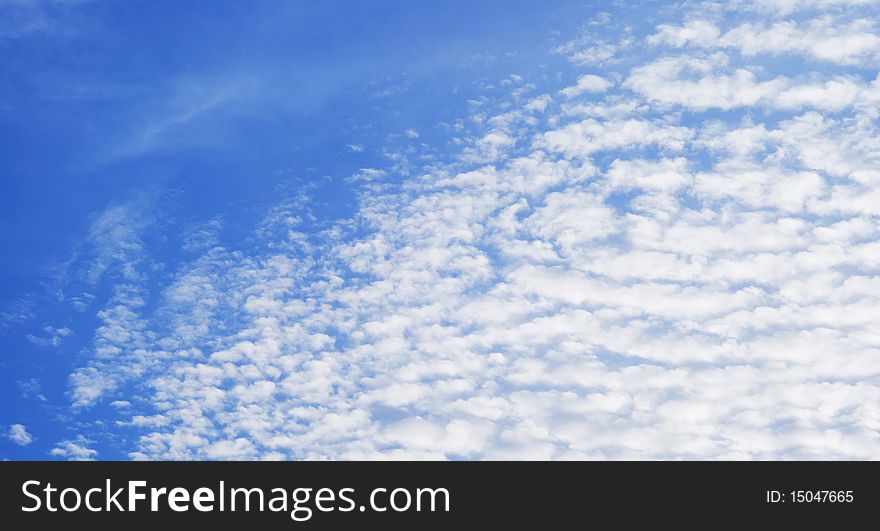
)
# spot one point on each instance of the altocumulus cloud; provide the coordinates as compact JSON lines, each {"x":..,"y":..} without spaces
{"x":675,"y":256}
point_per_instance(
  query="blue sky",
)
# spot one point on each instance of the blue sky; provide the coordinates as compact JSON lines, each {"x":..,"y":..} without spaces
{"x":437,"y":229}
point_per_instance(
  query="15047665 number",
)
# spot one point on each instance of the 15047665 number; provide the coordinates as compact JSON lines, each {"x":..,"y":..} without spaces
{"x":821,"y":496}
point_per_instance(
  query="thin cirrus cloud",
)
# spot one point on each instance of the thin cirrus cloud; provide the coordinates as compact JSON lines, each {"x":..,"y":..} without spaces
{"x":624,"y":273}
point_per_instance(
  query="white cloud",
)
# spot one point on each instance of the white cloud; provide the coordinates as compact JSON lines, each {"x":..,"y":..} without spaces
{"x":76,"y":449}
{"x":538,"y":104}
{"x":667,"y":81}
{"x":833,"y":95}
{"x":587,"y":83}
{"x":702,"y":84}
{"x":825,"y":38}
{"x":590,"y":136}
{"x":665,"y":175}
{"x":201,"y":236}
{"x":491,"y":146}
{"x":697,"y":32}
{"x":593,"y":53}
{"x":786,"y":7}
{"x":31,"y":388}
{"x":53,"y":338}
{"x":19,"y":435}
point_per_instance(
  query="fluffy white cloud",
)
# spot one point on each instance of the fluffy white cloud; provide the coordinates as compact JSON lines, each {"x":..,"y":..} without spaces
{"x":697,"y":83}
{"x":706,"y":83}
{"x":833,"y":95}
{"x":76,"y":449}
{"x":582,"y":139}
{"x":587,"y":83}
{"x":19,"y":435}
{"x":826,"y":38}
{"x":697,"y":32}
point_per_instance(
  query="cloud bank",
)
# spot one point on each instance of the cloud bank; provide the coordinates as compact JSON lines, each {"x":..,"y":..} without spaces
{"x":674,"y":256}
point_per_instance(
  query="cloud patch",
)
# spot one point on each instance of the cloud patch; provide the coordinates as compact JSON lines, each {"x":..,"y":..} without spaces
{"x":76,"y":449}
{"x":18,"y":434}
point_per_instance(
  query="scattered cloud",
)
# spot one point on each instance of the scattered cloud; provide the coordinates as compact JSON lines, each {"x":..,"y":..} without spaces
{"x":593,"y":52}
{"x":18,"y":434}
{"x":18,"y":311}
{"x":202,"y":236}
{"x":76,"y":449}
{"x":826,"y":38}
{"x":52,"y":338}
{"x":587,"y":83}
{"x":31,"y":388}
{"x":701,"y":84}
